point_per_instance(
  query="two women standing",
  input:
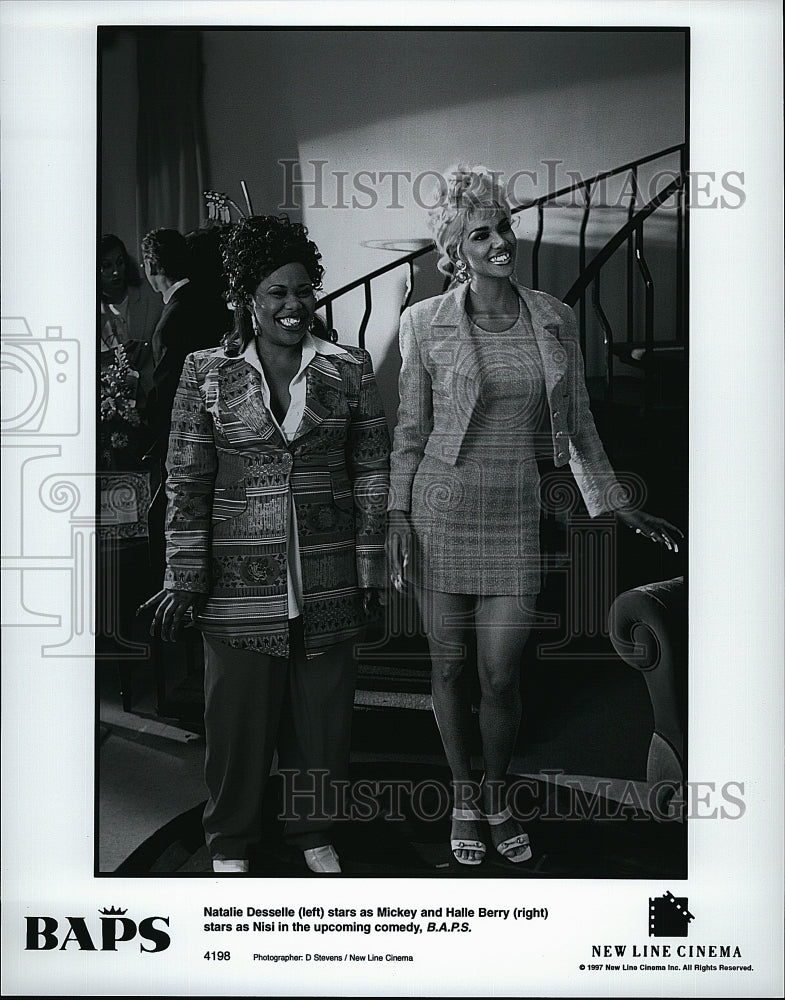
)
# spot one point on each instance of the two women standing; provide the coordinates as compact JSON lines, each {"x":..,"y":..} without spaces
{"x":278,"y":492}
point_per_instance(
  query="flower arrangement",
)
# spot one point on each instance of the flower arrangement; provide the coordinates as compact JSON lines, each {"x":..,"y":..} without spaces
{"x":119,"y":416}
{"x":219,"y":206}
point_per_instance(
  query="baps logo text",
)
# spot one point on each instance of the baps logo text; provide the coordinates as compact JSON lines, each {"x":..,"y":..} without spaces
{"x":113,"y":929}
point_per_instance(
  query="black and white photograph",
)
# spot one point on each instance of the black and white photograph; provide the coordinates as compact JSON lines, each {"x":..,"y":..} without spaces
{"x":393,"y":464}
{"x":504,"y":691}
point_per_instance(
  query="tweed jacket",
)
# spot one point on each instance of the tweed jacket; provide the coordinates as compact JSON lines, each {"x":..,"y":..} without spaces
{"x":231,"y":475}
{"x":440,"y":384}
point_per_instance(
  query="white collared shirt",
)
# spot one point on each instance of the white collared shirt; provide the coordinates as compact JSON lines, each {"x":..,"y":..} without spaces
{"x":311,"y":346}
{"x":173,"y":288}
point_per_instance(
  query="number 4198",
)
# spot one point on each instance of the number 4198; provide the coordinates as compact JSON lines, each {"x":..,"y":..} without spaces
{"x":218,"y":956}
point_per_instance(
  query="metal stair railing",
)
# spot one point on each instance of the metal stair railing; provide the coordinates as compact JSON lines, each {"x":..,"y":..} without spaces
{"x":632,"y":232}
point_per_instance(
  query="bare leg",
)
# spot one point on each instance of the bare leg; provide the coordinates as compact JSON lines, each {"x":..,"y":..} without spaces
{"x":446,"y":620}
{"x":503,"y":626}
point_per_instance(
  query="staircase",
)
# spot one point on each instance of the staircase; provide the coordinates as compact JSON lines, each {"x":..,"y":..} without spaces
{"x":644,"y":375}
{"x":659,"y":364}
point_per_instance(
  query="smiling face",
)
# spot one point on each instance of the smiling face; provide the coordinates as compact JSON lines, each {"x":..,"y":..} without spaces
{"x":488,"y":245}
{"x":114,"y":280}
{"x":283,"y":305}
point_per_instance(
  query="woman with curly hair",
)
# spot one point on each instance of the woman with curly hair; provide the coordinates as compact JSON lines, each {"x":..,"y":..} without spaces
{"x":491,"y":378}
{"x":129,"y":309}
{"x":277,"y":485}
{"x":128,"y":313}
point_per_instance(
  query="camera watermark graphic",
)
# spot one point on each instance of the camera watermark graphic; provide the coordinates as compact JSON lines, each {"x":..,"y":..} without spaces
{"x":59,"y":567}
{"x":40,"y":378}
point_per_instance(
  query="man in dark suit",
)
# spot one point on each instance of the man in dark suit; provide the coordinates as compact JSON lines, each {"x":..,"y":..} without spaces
{"x":191,"y":320}
{"x":194,"y":317}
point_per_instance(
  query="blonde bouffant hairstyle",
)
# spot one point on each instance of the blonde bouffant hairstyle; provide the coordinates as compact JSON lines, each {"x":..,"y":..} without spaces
{"x":464,"y":190}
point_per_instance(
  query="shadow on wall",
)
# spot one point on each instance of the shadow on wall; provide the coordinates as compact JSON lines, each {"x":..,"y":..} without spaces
{"x":378,"y":103}
{"x":558,"y":268}
{"x":406,"y":71}
{"x":411,"y":100}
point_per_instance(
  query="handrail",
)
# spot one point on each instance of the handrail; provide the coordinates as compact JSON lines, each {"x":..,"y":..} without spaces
{"x":582,"y":282}
{"x":607,"y":332}
{"x":589,"y":274}
{"x":398,"y":262}
{"x":632,"y":233}
{"x":326,"y":301}
{"x":536,"y":246}
{"x":630,"y":259}
{"x":648,"y":283}
{"x":599,"y":177}
{"x":648,"y":298}
{"x":587,"y":193}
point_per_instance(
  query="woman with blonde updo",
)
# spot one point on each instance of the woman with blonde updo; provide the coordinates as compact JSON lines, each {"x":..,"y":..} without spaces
{"x":492,"y":377}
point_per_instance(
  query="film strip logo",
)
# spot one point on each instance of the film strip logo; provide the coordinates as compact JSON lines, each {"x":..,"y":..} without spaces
{"x":669,"y":916}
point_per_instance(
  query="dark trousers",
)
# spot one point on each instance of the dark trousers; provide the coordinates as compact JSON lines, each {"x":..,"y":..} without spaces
{"x":255,"y":703}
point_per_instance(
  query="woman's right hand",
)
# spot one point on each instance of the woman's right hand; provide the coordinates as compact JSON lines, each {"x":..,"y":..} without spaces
{"x":171,"y":607}
{"x":399,"y":540}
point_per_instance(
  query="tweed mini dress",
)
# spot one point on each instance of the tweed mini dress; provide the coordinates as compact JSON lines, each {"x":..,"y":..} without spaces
{"x":476,"y":524}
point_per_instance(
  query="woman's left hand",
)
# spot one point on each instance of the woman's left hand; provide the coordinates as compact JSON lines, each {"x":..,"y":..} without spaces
{"x":655,"y":528}
{"x":172,"y":608}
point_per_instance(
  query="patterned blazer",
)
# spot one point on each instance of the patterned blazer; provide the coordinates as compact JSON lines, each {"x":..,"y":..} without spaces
{"x":439,"y":389}
{"x":230,"y":476}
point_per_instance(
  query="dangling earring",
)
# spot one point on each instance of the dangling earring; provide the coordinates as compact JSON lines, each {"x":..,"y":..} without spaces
{"x":461,"y":270}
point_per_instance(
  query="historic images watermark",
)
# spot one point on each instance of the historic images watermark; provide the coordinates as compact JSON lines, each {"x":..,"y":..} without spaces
{"x":313,"y":184}
{"x":430,"y":799}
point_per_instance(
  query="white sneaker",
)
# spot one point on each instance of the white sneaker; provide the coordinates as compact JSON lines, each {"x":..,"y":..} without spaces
{"x":229,"y":866}
{"x":323,"y":860}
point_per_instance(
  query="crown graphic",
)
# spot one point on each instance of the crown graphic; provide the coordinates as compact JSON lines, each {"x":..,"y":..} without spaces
{"x":113,"y":912}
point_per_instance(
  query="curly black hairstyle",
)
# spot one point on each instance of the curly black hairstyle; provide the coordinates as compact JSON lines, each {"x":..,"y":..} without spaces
{"x":254,"y":248}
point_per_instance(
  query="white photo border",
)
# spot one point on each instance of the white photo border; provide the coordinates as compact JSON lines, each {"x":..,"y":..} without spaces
{"x":736,"y":550}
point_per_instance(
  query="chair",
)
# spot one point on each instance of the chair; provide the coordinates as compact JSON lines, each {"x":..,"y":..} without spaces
{"x":648,"y":629}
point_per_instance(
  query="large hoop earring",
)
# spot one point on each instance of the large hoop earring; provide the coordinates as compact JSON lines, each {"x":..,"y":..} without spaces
{"x":461,"y":270}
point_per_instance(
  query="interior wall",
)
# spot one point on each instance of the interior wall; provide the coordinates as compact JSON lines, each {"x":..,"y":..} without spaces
{"x":413,"y":101}
{"x":417,"y":101}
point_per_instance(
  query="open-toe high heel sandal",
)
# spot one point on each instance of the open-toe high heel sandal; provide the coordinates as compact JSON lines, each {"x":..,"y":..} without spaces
{"x":507,"y":848}
{"x":460,"y":844}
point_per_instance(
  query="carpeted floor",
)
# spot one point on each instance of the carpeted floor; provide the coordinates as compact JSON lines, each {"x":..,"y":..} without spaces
{"x":584,"y":713}
{"x":595,"y":720}
{"x":406,"y":833}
